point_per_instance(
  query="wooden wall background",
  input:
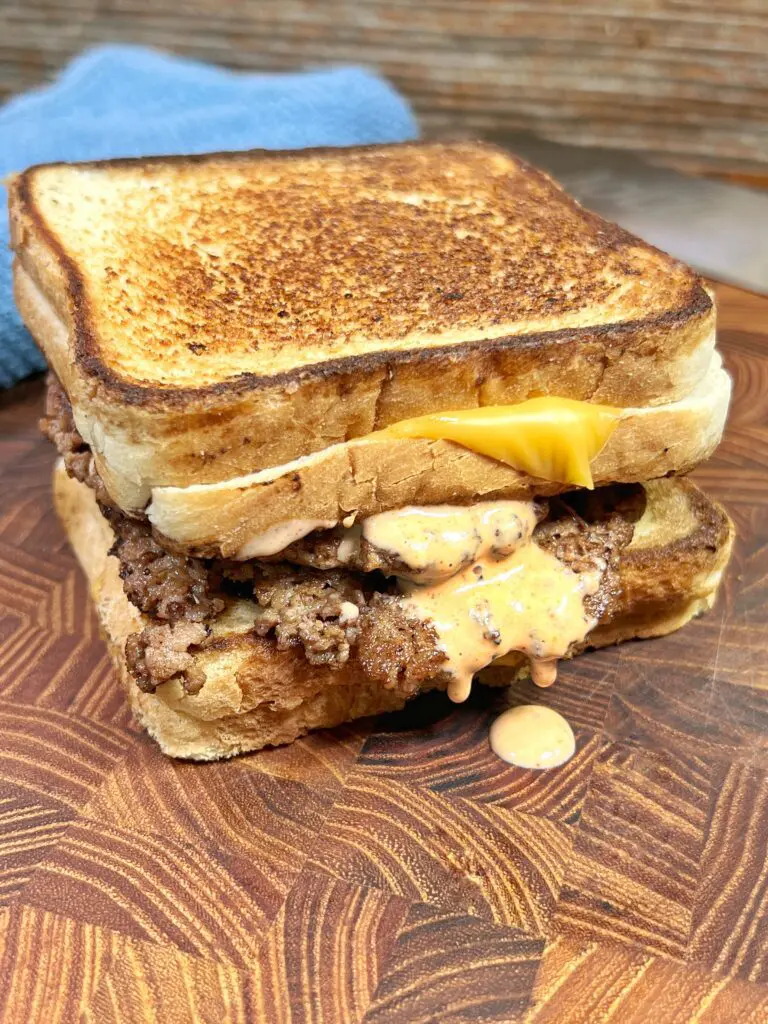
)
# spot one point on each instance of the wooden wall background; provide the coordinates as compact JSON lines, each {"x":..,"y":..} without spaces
{"x":684,"y":80}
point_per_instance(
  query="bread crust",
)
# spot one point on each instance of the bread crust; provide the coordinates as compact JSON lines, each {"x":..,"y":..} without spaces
{"x":152,"y":435}
{"x":256,"y":696}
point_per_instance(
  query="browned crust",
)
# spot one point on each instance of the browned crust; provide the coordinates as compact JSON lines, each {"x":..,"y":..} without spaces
{"x":84,"y":333}
{"x":693,"y":551}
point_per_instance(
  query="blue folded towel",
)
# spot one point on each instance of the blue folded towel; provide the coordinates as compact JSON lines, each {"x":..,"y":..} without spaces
{"x":128,"y":101}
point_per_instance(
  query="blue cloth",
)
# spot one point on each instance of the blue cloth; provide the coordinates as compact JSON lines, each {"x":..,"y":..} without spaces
{"x":129,"y":101}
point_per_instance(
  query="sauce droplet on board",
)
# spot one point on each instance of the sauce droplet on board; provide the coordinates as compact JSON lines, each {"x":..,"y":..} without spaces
{"x":531,"y":736}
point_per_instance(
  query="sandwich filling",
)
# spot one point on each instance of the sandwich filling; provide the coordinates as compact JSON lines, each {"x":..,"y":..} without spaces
{"x":547,"y":437}
{"x":415,"y":595}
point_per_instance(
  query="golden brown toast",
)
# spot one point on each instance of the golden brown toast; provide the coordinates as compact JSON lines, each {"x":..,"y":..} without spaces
{"x":217,"y":315}
{"x":255,"y":695}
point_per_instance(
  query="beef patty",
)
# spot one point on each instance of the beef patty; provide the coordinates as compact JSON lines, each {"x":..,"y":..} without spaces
{"x":309,"y":596}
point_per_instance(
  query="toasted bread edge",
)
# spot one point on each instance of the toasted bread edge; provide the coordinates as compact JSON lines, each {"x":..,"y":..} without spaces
{"x":45,"y":258}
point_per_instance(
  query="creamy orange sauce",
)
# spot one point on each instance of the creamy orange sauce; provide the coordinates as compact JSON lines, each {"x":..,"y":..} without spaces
{"x":476,"y":575}
{"x":528,"y":602}
{"x":532,"y":737}
{"x":279,"y":536}
{"x":543,"y":672}
{"x":438,"y":541}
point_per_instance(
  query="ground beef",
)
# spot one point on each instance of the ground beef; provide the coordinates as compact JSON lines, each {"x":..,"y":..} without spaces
{"x":169,"y":587}
{"x":162,"y":650}
{"x":58,"y":425}
{"x":319,"y":607}
{"x":319,"y":611}
{"x":397,"y":651}
{"x":321,"y":550}
{"x":594,"y":545}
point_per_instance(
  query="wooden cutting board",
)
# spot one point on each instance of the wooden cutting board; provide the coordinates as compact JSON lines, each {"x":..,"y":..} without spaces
{"x":392,"y":872}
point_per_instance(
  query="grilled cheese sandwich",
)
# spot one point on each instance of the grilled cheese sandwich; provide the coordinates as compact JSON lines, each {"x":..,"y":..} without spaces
{"x":340,"y":426}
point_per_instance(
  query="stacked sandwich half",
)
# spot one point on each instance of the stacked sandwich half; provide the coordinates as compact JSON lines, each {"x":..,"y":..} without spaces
{"x":340,"y":426}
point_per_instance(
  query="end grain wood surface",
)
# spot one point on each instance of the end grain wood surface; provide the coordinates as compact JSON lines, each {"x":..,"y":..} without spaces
{"x":391,"y":871}
{"x":684,"y":80}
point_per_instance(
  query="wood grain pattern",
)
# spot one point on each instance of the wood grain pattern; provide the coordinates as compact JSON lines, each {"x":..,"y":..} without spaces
{"x":247,"y":813}
{"x":730,"y":909}
{"x":391,"y":871}
{"x":162,"y":984}
{"x":53,"y":757}
{"x":472,"y":970}
{"x":325,"y":953}
{"x":590,"y":982}
{"x":637,"y":856}
{"x":201,"y":899}
{"x":319,"y":962}
{"x":51,"y":966}
{"x":321,"y":761}
{"x":682,"y":79}
{"x":27,"y":832}
{"x":451,"y":756}
{"x":452,"y":853}
{"x":675,"y":700}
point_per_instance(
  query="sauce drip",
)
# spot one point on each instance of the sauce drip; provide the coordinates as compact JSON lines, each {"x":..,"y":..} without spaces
{"x":544,"y":672}
{"x":528,"y":602}
{"x":478,"y":578}
{"x":531,"y":736}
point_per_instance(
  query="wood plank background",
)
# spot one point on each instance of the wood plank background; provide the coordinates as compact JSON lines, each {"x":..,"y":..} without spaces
{"x":392,"y":871}
{"x":683,"y":80}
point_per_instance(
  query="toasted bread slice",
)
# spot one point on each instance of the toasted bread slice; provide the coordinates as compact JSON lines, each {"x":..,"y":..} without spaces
{"x":255,"y":695}
{"x":363,"y":477}
{"x":214,"y":316}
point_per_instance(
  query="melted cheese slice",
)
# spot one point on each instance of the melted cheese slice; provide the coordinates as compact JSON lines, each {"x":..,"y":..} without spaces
{"x":549,"y":438}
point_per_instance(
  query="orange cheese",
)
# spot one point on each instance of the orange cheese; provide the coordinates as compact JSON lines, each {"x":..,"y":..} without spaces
{"x":549,"y":438}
